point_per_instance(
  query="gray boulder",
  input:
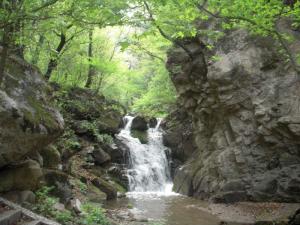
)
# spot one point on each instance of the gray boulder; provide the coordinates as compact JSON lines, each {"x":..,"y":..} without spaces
{"x":27,"y":121}
{"x":152,"y":122}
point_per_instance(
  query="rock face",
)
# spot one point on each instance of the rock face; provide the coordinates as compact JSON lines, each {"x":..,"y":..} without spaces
{"x":245,"y":113}
{"x":27,"y":121}
{"x":178,"y":136}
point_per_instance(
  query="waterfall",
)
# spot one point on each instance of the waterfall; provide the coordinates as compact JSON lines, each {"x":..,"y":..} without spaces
{"x":149,"y":168}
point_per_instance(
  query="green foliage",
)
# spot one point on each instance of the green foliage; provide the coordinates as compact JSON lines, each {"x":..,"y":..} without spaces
{"x":93,"y":215}
{"x":130,"y":40}
{"x":104,"y":138}
{"x":63,"y":217}
{"x":82,"y":186}
{"x":70,"y":141}
{"x":45,"y":206}
{"x":45,"y":203}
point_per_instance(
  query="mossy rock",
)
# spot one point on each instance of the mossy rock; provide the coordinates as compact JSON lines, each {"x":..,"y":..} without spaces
{"x":106,"y":187}
{"x":141,"y":135}
{"x":25,"y":176}
{"x":94,"y":194}
{"x":51,"y":157}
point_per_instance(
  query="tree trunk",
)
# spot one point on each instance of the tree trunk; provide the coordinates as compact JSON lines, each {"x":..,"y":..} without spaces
{"x":91,"y":72}
{"x":54,"y":61}
{"x":36,"y":56}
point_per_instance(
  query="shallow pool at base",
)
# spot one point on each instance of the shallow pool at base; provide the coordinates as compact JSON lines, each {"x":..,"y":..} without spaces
{"x":171,"y":209}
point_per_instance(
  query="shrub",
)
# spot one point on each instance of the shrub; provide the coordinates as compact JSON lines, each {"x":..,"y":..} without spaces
{"x":93,"y":215}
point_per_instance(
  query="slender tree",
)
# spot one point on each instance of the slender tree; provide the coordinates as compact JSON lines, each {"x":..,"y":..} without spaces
{"x":91,"y":70}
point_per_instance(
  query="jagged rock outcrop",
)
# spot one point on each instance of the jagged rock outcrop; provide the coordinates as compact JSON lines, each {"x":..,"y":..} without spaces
{"x":27,"y":120}
{"x":178,"y":136}
{"x":244,"y":107}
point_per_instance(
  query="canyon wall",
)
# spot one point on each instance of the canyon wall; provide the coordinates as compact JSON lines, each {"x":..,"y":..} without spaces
{"x":243,"y":101}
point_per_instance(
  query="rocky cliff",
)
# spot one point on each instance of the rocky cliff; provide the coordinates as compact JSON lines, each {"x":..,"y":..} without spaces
{"x":244,"y":104}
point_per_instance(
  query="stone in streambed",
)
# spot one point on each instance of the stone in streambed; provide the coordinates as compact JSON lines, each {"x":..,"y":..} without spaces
{"x":153,"y":122}
{"x":141,"y":135}
{"x":139,"y":123}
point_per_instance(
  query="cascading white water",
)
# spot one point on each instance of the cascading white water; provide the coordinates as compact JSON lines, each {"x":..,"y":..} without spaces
{"x":149,"y":170}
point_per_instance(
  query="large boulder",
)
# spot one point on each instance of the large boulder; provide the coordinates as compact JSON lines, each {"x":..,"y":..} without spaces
{"x":153,"y":122}
{"x":139,"y":123}
{"x":244,"y":109}
{"x":141,"y":135}
{"x":28,"y":122}
{"x":23,"y":176}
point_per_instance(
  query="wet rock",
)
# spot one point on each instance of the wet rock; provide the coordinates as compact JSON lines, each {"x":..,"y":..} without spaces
{"x":106,"y":187}
{"x":23,"y":176}
{"x":119,"y":172}
{"x":100,"y":156}
{"x":141,"y":135}
{"x":120,"y":152}
{"x":153,"y":122}
{"x":95,"y":195}
{"x":139,"y":123}
{"x":28,"y":121}
{"x":244,"y":118}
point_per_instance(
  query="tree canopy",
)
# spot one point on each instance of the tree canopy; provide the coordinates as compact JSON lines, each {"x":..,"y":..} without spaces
{"x":118,"y":48}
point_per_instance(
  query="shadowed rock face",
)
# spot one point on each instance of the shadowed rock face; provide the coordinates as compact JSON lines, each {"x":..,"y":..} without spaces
{"x":27,"y":121}
{"x":245,"y":112}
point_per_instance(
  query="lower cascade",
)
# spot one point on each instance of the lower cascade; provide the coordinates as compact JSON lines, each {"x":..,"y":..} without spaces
{"x":149,"y":169}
